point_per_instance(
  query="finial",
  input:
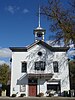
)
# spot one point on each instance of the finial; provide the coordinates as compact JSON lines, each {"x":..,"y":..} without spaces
{"x":39,"y":16}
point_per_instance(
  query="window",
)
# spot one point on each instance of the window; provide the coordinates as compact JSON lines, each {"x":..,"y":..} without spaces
{"x":55,"y":66}
{"x":22,"y":88}
{"x":40,"y":65}
{"x":55,"y":87}
{"x":40,"y":53}
{"x":24,"y":67}
{"x":37,"y":66}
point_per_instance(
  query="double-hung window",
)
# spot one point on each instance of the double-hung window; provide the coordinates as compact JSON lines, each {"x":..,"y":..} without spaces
{"x":24,"y":67}
{"x":40,"y":65}
{"x":55,"y":66}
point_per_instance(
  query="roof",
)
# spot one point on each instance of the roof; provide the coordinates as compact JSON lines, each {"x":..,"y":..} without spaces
{"x":39,"y":29}
{"x":53,"y":49}
{"x":18,"y":49}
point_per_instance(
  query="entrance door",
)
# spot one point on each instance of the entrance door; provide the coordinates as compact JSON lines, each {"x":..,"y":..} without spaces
{"x":32,"y":89}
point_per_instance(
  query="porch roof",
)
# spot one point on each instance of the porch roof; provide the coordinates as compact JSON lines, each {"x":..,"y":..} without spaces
{"x":44,"y":75}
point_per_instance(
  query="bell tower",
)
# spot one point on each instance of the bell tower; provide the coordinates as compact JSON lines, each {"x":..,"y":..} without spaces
{"x":39,"y":32}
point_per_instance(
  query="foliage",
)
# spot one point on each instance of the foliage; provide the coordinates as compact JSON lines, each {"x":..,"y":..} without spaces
{"x":13,"y":95}
{"x":62,"y":21}
{"x":4,"y":70}
{"x":4,"y":87}
{"x":72,"y":68}
{"x":22,"y":95}
{"x":65,"y":93}
{"x":50,"y":92}
{"x":40,"y":94}
{"x":72,"y":74}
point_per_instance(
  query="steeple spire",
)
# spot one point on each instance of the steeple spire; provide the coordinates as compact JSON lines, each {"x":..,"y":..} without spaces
{"x":39,"y":16}
{"x":39,"y":32}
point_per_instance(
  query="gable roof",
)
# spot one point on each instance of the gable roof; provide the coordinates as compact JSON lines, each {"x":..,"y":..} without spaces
{"x":53,"y":49}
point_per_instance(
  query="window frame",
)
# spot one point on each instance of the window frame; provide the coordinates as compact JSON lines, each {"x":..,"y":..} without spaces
{"x":22,"y":88}
{"x":40,"y":65}
{"x":24,"y":70}
{"x":55,"y":66}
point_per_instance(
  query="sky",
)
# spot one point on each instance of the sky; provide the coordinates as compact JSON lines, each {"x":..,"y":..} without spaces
{"x":18,"y":19}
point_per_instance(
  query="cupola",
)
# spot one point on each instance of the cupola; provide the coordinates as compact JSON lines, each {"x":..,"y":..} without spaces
{"x":39,"y":32}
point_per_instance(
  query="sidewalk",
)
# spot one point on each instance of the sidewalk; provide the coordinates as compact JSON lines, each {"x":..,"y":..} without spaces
{"x":37,"y":98}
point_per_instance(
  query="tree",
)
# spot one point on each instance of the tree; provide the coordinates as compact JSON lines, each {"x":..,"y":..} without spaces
{"x":72,"y":3}
{"x":4,"y":70}
{"x":72,"y":67}
{"x":72,"y":74}
{"x":62,"y":23}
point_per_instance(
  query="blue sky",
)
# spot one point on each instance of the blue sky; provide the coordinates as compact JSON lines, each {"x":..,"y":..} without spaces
{"x":18,"y":19}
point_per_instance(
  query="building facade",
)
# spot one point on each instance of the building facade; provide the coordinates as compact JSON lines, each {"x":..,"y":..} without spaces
{"x":39,"y":67}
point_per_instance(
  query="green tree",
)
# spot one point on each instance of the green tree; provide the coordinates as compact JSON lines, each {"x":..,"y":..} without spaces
{"x":62,"y":21}
{"x":4,"y":70}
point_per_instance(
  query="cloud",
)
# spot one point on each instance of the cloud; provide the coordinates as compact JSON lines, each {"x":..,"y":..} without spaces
{"x":10,"y":9}
{"x":25,"y":11}
{"x":13,"y":9}
{"x":72,"y":53}
{"x":2,"y":62}
{"x":5,"y":52}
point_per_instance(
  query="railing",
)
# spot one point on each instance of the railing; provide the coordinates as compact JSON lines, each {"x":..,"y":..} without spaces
{"x":36,"y":71}
{"x":39,"y":72}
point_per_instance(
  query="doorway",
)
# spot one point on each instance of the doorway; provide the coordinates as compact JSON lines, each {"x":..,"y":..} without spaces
{"x":32,"y":84}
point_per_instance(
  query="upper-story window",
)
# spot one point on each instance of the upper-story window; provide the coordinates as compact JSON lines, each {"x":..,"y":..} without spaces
{"x":40,"y":65}
{"x":55,"y":66}
{"x":24,"y":67}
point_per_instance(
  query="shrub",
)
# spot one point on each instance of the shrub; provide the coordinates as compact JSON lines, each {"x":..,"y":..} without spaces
{"x":13,"y":95}
{"x":4,"y":87}
{"x":65,"y":93}
{"x":22,"y":95}
{"x":50,"y":92}
{"x":41,"y":94}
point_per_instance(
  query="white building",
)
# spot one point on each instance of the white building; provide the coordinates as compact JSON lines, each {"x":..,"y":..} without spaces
{"x":39,"y":67}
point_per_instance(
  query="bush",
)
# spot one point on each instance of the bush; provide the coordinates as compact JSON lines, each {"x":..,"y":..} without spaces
{"x":22,"y":95}
{"x":40,"y":94}
{"x":4,"y":87}
{"x":65,"y":93}
{"x":13,"y":95}
{"x":50,"y":93}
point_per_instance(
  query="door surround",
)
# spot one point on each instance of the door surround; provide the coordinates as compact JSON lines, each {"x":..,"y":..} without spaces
{"x":32,"y":87}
